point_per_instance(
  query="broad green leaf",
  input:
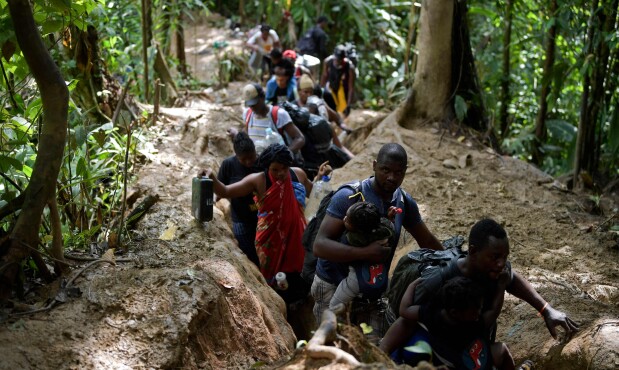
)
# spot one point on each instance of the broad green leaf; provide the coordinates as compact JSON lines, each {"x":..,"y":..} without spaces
{"x":7,"y":162}
{"x":367,"y":329}
{"x":27,"y":170}
{"x":460,"y":107}
{"x":562,"y":130}
{"x":421,"y":346}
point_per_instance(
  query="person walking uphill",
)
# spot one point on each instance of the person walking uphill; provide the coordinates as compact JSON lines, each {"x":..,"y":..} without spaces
{"x":279,"y":193}
{"x":338,"y":79}
{"x":259,"y":116}
{"x":314,"y":41}
{"x":244,"y":219}
{"x":383,"y":190}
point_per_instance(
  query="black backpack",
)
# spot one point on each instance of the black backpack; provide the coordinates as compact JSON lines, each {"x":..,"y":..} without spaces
{"x":412,"y":265}
{"x":306,"y":44}
{"x":309,"y":235}
{"x":315,"y":128}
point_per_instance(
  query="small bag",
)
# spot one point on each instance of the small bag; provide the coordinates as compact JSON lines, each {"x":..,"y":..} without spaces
{"x":202,"y":198}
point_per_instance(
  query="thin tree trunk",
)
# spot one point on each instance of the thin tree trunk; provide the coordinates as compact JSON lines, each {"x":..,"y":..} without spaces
{"x":584,"y":123}
{"x":180,"y":47}
{"x":410,"y":37}
{"x":540,"y":122}
{"x":428,"y":98}
{"x":606,"y":21}
{"x":57,"y":249}
{"x":146,"y":40}
{"x":505,"y":93}
{"x":42,"y":186}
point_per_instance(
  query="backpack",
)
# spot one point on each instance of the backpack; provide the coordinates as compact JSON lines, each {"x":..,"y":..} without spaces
{"x":351,"y":53}
{"x":306,"y":44}
{"x":315,"y":128}
{"x":274,"y":110}
{"x":411,"y":266}
{"x":309,"y":235}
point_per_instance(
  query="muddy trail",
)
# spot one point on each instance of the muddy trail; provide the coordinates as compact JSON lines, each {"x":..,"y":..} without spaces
{"x":189,"y":298}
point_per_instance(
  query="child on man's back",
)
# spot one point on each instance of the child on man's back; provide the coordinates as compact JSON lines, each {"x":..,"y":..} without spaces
{"x":364,"y":225}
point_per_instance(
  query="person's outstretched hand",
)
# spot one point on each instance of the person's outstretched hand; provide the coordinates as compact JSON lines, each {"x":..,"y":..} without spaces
{"x":324,"y":170}
{"x":554,"y":318}
{"x":232,"y":132}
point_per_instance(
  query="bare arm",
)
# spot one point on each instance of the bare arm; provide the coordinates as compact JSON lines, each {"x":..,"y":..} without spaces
{"x":303,"y":180}
{"x":522,"y":289}
{"x":325,"y":73}
{"x":244,"y":187}
{"x":490,"y":316}
{"x":407,"y":309}
{"x":297,"y":138}
{"x":424,"y":237}
{"x":351,"y":84}
{"x":327,"y":247}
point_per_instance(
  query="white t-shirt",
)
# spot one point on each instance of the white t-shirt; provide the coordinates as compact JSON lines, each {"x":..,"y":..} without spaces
{"x":256,"y":127}
{"x":267,"y":44}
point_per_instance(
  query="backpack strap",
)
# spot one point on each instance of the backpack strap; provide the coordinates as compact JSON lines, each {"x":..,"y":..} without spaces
{"x":248,"y":118}
{"x":274,"y":116}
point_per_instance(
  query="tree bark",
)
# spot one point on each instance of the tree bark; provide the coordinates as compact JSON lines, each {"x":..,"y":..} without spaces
{"x":606,"y":21}
{"x":541,"y":134}
{"x":584,"y":123}
{"x":410,"y":37}
{"x":428,"y":98}
{"x":42,"y":186}
{"x":505,"y":93}
{"x":146,"y":40}
{"x":180,"y":47}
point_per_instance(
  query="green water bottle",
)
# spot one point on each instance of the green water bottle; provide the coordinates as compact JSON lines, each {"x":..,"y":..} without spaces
{"x":202,"y":199}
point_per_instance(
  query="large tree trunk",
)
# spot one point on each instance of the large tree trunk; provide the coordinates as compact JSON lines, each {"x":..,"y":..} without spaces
{"x":428,"y":98}
{"x":464,"y":76}
{"x":42,"y":186}
{"x":505,"y":93}
{"x":540,"y":122}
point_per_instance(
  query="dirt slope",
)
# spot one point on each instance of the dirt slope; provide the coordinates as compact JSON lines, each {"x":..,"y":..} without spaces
{"x":192,"y":300}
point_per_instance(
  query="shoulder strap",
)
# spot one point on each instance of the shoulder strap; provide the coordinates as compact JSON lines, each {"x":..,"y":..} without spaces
{"x":293,"y":176}
{"x":247,"y":118}
{"x":274,"y":116}
{"x":268,"y":180}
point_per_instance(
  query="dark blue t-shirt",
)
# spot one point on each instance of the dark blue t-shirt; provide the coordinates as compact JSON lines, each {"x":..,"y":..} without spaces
{"x":244,"y":209}
{"x":333,"y":272}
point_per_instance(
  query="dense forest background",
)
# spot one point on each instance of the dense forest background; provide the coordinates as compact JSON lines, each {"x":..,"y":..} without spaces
{"x":546,"y":73}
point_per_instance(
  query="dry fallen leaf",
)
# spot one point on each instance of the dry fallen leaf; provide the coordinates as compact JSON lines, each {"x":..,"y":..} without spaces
{"x":169,"y":233}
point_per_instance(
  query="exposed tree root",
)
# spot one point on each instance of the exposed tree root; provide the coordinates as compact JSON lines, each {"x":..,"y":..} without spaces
{"x":327,"y":332}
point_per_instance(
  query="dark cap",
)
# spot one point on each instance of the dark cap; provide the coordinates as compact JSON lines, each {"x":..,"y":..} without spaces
{"x":252,"y":93}
{"x":265,"y":27}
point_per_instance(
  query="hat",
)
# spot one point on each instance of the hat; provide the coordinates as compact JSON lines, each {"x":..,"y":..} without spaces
{"x":290,"y":54}
{"x":265,"y":27}
{"x":252,"y":93}
{"x":305,"y":82}
{"x":340,"y":51}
